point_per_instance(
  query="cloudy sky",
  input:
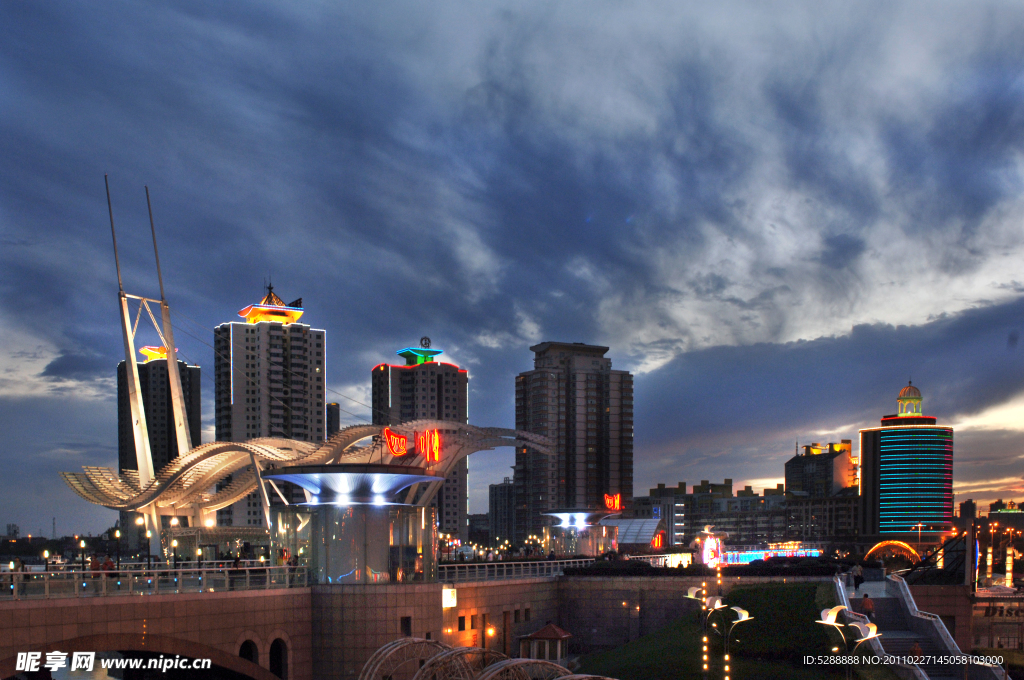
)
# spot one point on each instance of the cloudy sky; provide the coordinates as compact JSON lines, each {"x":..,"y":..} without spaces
{"x":773,"y":215}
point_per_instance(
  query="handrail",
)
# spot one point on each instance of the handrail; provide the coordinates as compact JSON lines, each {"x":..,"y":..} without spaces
{"x":902,"y":591}
{"x":158,"y":581}
{"x":905,"y":595}
{"x":874,"y":644}
{"x":494,"y":571}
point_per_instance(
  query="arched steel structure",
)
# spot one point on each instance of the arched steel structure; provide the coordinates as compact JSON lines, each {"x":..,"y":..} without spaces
{"x":896,"y":548}
{"x":524,"y":669}
{"x":460,"y":663}
{"x":187,"y":486}
{"x":441,"y":662}
{"x":392,"y":656}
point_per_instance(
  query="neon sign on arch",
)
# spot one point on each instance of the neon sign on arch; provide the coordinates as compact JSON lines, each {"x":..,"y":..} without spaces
{"x":397,"y":443}
{"x":428,"y":444}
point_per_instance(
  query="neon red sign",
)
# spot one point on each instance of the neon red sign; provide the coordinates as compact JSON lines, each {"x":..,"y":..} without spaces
{"x":428,"y":444}
{"x":656,"y":543}
{"x":397,"y":443}
{"x":613,"y":502}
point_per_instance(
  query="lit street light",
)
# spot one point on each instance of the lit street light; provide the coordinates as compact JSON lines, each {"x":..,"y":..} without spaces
{"x":742,"y":615}
{"x":868,"y":631}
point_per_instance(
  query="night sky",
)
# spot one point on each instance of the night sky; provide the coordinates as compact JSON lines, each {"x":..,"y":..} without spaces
{"x":773,"y":215}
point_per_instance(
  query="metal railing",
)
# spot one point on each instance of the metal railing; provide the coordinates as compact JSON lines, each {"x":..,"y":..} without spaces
{"x":160,"y":581}
{"x":493,"y":571}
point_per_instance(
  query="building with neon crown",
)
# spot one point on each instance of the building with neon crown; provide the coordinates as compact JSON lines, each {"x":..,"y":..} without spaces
{"x":425,"y":388}
{"x":906,"y":473}
{"x":270,"y":378}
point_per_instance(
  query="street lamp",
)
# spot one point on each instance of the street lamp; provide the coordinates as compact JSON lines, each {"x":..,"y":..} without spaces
{"x":82,"y":546}
{"x":140,"y":523}
{"x":919,"y":534}
{"x":117,"y":534}
{"x":741,"y":616}
{"x":149,"y":556}
{"x":868,"y":631}
{"x":174,"y":551}
{"x":46,"y":560}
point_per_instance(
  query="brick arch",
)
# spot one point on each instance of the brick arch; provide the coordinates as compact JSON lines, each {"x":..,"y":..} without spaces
{"x":279,"y":633}
{"x":159,"y":644}
{"x":262,"y":650}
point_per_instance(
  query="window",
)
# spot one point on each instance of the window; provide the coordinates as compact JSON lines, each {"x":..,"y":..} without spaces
{"x":472,"y":622}
{"x":515,"y":617}
{"x":406,"y":623}
{"x":462,"y":623}
{"x":526,"y":614}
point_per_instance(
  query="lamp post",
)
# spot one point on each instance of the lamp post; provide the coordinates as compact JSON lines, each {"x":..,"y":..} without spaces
{"x":46,"y":560}
{"x":710,"y":605}
{"x":742,"y":615}
{"x":868,"y":631}
{"x":174,"y":551}
{"x":149,"y":556}
{"x":117,"y":534}
{"x":140,"y":523}
{"x":919,"y":535}
{"x":81,"y":545}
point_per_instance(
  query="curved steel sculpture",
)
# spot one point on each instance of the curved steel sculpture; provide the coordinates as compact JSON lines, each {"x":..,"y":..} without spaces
{"x":438,"y":661}
{"x":188,"y":485}
{"x":389,"y":658}
{"x":460,"y":663}
{"x":524,"y":669}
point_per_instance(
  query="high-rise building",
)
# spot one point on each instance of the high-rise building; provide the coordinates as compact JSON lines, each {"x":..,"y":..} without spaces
{"x":822,"y":471}
{"x":333,"y":418}
{"x":155,"y":387}
{"x":501,"y":511}
{"x":425,"y":389}
{"x":270,"y":378}
{"x":270,"y":374}
{"x":906,"y":473}
{"x":156,"y":402}
{"x":574,"y":397}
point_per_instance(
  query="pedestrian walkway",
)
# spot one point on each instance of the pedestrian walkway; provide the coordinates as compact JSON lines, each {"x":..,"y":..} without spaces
{"x":897,"y":638}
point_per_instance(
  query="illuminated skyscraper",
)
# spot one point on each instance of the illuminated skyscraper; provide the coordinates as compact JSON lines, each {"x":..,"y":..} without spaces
{"x":425,"y":389}
{"x":906,"y":473}
{"x":270,"y":375}
{"x":574,"y":397}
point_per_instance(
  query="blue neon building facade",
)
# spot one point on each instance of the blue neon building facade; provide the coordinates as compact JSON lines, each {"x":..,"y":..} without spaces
{"x":906,"y":473}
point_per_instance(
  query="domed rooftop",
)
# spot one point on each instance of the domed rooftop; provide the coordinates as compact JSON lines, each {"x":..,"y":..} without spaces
{"x":910,"y":391}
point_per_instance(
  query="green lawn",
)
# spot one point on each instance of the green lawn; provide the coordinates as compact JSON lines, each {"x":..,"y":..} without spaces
{"x":770,"y":647}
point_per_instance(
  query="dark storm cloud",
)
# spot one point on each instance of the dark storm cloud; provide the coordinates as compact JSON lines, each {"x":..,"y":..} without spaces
{"x":77,"y":366}
{"x":735,"y":411}
{"x":698,"y":183}
{"x":959,"y":362}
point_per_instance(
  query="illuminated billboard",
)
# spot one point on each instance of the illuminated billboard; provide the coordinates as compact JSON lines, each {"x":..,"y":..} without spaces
{"x":711,"y":551}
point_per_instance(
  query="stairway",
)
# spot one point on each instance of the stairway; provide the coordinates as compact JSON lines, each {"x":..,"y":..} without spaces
{"x":897,"y":638}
